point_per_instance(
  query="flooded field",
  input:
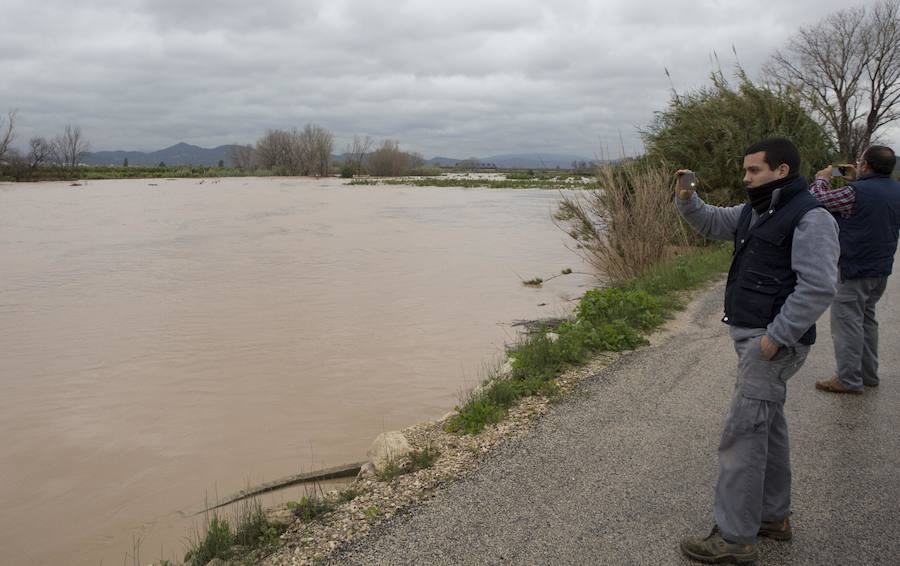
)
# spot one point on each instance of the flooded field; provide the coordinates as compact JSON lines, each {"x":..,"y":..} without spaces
{"x":165,"y":341}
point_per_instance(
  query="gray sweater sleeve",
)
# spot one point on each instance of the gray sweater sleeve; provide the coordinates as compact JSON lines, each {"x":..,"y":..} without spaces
{"x":814,"y":258}
{"x":713,"y":222}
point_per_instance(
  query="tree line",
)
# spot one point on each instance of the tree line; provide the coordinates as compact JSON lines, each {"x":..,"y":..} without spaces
{"x":65,"y":150}
{"x":308,"y":152}
{"x":839,"y":80}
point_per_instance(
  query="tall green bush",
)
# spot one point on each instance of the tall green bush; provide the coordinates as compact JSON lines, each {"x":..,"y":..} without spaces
{"x":708,"y":130}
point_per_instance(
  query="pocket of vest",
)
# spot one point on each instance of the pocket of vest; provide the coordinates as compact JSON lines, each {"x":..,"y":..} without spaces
{"x":772,"y":238}
{"x":760,"y":278}
{"x":769,"y":287}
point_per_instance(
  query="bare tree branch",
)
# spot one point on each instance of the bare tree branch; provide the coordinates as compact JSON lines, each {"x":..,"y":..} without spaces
{"x":70,"y":146}
{"x":356,"y":155}
{"x":847,"y":67}
{"x":7,"y":132}
{"x":40,"y":151}
{"x":242,"y":156}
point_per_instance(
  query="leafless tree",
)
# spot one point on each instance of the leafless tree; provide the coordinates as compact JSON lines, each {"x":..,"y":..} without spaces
{"x":242,"y":156}
{"x":321,"y":151}
{"x":315,"y":145}
{"x":357,"y":152}
{"x":70,"y":146}
{"x":415,"y":159}
{"x":390,"y":161}
{"x":40,"y":151}
{"x":277,"y":150}
{"x":847,"y":67}
{"x":7,"y":133}
{"x":298,"y":152}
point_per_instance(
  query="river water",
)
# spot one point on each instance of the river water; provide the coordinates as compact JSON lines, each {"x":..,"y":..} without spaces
{"x":167,"y":341}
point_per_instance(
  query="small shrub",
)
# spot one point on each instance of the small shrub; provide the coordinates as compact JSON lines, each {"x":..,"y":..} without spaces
{"x":346,"y":495}
{"x":252,"y":528}
{"x":391,"y":471}
{"x":423,"y":459}
{"x":628,"y":226}
{"x":310,"y":507}
{"x":474,"y":415}
{"x":216,"y":543}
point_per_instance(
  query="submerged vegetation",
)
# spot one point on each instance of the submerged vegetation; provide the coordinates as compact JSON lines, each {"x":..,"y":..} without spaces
{"x":246,"y":532}
{"x":496,"y":181}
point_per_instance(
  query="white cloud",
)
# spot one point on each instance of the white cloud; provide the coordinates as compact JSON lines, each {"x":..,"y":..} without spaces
{"x":461,"y":78}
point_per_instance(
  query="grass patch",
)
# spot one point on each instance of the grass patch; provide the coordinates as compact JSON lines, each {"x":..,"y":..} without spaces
{"x":216,"y":543}
{"x":391,"y":471}
{"x":346,"y":495}
{"x":415,"y":461}
{"x":423,"y":459}
{"x":610,"y":319}
{"x":245,"y":532}
{"x":310,"y":507}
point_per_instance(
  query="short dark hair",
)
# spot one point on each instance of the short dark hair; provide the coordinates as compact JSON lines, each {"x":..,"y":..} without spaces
{"x":778,"y":151}
{"x":881,"y":159}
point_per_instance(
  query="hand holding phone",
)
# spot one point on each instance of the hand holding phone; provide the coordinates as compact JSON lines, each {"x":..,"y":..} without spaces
{"x":686,"y":184}
{"x":687,"y":181}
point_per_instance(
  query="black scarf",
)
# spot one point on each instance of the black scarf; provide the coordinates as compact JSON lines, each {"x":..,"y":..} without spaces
{"x":761,"y":196}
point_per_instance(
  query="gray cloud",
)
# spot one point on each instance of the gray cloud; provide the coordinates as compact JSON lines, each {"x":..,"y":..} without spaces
{"x":457,"y":79}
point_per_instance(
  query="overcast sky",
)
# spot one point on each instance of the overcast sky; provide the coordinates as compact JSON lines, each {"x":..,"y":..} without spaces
{"x":461,"y":78}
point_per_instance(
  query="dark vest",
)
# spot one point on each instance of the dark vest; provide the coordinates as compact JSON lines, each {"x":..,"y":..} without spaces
{"x":869,"y":237}
{"x":761,"y":278}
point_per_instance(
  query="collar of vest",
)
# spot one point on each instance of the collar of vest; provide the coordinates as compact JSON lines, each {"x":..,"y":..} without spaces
{"x":874,"y":176}
{"x":777,"y":192}
{"x":788,"y":191}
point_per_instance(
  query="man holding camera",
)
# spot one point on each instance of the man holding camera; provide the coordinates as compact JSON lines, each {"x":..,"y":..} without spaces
{"x":782,"y":278}
{"x":868,"y":211}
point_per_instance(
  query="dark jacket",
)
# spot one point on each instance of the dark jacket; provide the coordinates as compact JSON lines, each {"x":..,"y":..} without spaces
{"x":869,"y":236}
{"x":761,"y":277}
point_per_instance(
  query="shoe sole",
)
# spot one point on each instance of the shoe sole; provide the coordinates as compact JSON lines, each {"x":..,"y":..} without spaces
{"x":832,"y":390}
{"x":776,"y":535}
{"x":721,"y":558}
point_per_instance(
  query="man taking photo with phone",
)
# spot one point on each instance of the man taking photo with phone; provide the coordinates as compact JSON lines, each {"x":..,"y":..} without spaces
{"x":782,"y":278}
{"x":868,"y":214}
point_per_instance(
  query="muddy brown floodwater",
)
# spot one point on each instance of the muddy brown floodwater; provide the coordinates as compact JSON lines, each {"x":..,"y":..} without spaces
{"x":164,"y":341}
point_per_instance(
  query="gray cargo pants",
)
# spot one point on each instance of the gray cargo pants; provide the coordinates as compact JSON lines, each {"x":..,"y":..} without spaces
{"x":854,"y":330}
{"x":754,"y":456}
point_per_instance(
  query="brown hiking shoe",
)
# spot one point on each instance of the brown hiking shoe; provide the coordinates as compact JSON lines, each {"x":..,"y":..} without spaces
{"x":776,"y":530}
{"x":832,"y":385}
{"x":715,"y":550}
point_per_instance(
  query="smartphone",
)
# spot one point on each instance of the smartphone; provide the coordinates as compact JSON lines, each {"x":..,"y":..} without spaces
{"x":688,"y":181}
{"x":838,"y":171}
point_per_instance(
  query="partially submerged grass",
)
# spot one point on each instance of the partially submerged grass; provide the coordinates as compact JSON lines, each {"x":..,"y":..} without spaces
{"x":311,"y":506}
{"x":575,"y":182}
{"x":247,"y":530}
{"x":610,"y":319}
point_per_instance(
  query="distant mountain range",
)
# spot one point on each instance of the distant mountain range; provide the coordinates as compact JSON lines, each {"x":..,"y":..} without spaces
{"x":179,"y":154}
{"x":187,"y":154}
